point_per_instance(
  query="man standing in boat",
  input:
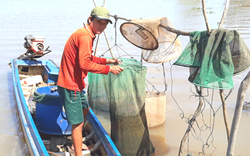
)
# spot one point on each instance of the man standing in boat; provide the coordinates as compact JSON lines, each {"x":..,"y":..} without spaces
{"x":77,"y":61}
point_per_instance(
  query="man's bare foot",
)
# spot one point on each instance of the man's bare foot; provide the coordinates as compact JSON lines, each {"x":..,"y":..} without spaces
{"x":84,"y":147}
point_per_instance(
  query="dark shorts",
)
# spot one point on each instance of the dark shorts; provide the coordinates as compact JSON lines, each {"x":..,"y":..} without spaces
{"x":74,"y":102}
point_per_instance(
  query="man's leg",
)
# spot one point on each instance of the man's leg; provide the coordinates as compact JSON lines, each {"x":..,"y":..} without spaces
{"x":85,"y":112}
{"x":75,"y":115}
{"x":77,"y":138}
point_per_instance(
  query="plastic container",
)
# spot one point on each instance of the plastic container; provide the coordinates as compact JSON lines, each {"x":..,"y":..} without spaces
{"x":155,"y":107}
{"x":31,"y":80}
{"x":50,"y":117}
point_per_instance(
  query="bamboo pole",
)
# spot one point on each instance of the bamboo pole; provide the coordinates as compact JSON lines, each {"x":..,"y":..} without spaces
{"x":184,"y":33}
{"x":221,"y":90}
{"x":118,"y":17}
{"x":96,"y":46}
{"x":224,"y":14}
{"x":104,"y":2}
{"x":108,"y":44}
{"x":205,"y":16}
{"x":225,"y":113}
{"x":94,"y":3}
{"x":237,"y":114}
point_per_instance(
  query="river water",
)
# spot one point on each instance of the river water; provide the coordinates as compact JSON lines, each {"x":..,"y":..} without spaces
{"x":57,"y":20}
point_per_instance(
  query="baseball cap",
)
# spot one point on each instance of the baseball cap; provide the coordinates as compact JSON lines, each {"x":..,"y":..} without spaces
{"x":101,"y":13}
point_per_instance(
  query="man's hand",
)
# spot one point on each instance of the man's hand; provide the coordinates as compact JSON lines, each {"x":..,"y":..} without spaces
{"x":112,"y":61}
{"x":115,"y":69}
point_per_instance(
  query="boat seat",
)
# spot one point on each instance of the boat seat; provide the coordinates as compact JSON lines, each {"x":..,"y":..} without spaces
{"x":50,"y":117}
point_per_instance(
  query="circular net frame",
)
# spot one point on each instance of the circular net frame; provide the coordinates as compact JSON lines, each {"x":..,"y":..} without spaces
{"x":158,"y":44}
{"x":139,"y":36}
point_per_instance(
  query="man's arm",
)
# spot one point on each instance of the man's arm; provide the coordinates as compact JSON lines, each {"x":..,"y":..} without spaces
{"x":112,"y":61}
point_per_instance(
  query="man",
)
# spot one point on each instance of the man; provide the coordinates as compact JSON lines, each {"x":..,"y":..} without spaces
{"x":77,"y":61}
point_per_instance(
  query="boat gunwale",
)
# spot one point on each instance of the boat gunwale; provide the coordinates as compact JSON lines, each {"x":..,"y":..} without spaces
{"x":104,"y":137}
{"x":35,"y":143}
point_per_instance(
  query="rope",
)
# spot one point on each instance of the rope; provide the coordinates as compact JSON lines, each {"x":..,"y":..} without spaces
{"x":116,"y":45}
{"x":202,"y":127}
{"x":171,"y":76}
{"x":165,"y":81}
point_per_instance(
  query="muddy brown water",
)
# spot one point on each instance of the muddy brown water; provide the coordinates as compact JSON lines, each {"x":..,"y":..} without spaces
{"x":56,"y":21}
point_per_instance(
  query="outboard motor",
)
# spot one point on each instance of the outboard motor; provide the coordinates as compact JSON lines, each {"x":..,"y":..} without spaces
{"x":33,"y":44}
{"x":35,"y":47}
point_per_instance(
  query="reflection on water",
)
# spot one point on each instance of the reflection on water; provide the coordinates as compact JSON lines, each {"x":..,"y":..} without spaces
{"x":56,"y":21}
{"x":157,"y":134}
{"x":12,"y":139}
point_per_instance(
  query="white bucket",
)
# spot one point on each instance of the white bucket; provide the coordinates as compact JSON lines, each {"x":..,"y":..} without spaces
{"x":155,"y":108}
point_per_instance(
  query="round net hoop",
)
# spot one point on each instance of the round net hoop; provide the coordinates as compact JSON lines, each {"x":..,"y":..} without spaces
{"x":139,"y":36}
{"x":159,"y":45}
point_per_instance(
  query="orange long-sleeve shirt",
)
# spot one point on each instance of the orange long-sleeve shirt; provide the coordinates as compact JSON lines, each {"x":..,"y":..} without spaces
{"x":77,"y":60}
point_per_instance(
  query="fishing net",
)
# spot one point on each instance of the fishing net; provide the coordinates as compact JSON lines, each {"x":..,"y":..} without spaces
{"x":214,"y":59}
{"x":123,"y":96}
{"x":159,"y":44}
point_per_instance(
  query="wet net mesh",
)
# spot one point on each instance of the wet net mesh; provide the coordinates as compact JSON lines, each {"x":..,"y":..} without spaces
{"x":159,"y":44}
{"x":214,"y":59}
{"x":123,"y":96}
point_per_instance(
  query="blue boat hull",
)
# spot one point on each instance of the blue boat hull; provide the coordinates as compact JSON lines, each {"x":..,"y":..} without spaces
{"x":33,"y":125}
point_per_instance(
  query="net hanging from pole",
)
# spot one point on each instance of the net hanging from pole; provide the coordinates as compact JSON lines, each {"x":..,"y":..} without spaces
{"x":214,"y":59}
{"x":123,"y":96}
{"x":158,"y":44}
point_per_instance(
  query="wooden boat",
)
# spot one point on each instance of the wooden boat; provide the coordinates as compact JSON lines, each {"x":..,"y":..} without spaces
{"x":44,"y":125}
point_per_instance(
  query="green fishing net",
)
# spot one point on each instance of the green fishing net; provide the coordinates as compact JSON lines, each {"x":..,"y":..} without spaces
{"x":123,"y":96}
{"x":214,"y":58}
